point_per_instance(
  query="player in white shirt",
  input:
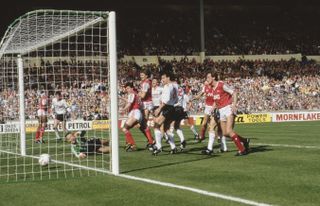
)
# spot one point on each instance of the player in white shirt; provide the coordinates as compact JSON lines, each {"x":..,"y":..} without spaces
{"x":156,"y":94}
{"x":166,"y":112}
{"x":156,"y":100}
{"x":59,"y":110}
{"x":179,"y":116}
{"x":189,"y":120}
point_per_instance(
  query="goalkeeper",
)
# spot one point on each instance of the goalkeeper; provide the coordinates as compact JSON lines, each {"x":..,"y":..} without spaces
{"x":81,"y":147}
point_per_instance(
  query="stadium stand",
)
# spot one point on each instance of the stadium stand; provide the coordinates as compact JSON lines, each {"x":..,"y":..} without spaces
{"x":279,"y":84}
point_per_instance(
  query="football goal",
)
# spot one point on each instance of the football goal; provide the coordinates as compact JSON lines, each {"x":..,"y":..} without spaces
{"x":58,"y":95}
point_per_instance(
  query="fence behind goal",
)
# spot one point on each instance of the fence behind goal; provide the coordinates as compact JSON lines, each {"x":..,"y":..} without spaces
{"x":44,"y":53}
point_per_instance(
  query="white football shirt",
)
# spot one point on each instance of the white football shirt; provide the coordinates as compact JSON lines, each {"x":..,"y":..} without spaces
{"x":59,"y":106}
{"x":170,"y":94}
{"x":156,"y":95}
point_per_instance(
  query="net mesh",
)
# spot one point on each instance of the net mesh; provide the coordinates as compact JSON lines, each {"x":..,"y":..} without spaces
{"x":62,"y":52}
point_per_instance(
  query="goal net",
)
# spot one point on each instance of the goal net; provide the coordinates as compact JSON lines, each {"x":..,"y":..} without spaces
{"x":57,"y":71}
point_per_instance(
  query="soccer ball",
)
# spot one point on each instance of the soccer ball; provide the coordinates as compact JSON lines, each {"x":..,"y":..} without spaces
{"x":44,"y":159}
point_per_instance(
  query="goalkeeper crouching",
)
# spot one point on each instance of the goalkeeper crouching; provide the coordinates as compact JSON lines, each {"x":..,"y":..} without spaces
{"x":81,"y":146}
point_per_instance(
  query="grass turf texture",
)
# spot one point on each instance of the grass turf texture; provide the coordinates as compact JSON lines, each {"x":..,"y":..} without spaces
{"x":269,"y":174}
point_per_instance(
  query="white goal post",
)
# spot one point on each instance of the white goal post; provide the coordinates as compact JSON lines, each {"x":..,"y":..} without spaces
{"x":113,"y":93}
{"x":46,"y":52}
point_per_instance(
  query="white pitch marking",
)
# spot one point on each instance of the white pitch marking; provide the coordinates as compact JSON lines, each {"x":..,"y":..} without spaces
{"x":165,"y":184}
{"x":288,"y":145}
{"x":195,"y":190}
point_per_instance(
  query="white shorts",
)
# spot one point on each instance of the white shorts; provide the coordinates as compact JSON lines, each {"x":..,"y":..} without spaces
{"x":225,"y":112}
{"x":208,"y":110}
{"x":41,"y":112}
{"x":136,"y":114}
{"x":147,"y":105}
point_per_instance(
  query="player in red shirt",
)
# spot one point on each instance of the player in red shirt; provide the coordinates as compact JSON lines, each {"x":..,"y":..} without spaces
{"x":147,"y":106}
{"x":209,"y":101}
{"x":42,"y":117}
{"x":226,"y":100}
{"x":134,"y":117}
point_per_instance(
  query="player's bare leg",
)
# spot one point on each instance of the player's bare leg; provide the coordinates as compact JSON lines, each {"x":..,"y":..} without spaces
{"x":204,"y":125}
{"x":212,"y":135}
{"x":147,"y":133}
{"x":146,"y":130}
{"x":41,"y":129}
{"x":64,"y":126}
{"x":164,"y":135}
{"x":158,"y":123}
{"x":105,"y":142}
{"x":55,"y":128}
{"x":131,"y":145}
{"x":177,"y":127}
{"x":168,"y":126}
{"x":223,"y":141}
{"x":227,"y":129}
{"x":104,"y":149}
{"x":191,"y":125}
{"x":169,"y":130}
{"x":245,"y":141}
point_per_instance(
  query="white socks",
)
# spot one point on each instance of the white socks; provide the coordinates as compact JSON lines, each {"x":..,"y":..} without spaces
{"x":193,"y":130}
{"x":158,"y":138}
{"x":171,"y":140}
{"x":223,"y":144}
{"x":211,"y":140}
{"x":57,"y":133}
{"x":180,"y":134}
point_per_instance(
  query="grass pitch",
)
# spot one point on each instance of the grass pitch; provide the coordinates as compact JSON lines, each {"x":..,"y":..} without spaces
{"x":282,"y":169}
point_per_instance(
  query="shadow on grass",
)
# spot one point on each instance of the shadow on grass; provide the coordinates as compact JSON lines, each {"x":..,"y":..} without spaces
{"x":205,"y":157}
{"x":261,"y":148}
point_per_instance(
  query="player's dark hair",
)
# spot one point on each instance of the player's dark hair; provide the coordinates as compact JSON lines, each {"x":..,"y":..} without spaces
{"x":168,"y":73}
{"x":146,"y":71}
{"x":129,"y":84}
{"x":215,"y":76}
{"x":58,"y":93}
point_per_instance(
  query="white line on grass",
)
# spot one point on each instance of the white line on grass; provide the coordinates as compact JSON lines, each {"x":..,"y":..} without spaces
{"x":61,"y":162}
{"x":288,"y":145}
{"x":165,"y":184}
{"x":199,"y":191}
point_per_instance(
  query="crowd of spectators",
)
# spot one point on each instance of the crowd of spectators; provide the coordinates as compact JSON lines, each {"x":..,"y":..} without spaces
{"x":82,"y":84}
{"x":228,"y":31}
{"x":262,"y":85}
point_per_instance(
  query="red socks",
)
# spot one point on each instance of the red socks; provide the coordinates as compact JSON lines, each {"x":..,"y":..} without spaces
{"x":236,"y":139}
{"x":129,"y":138}
{"x":39,"y":133}
{"x":203,"y":131}
{"x":148,"y":135}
